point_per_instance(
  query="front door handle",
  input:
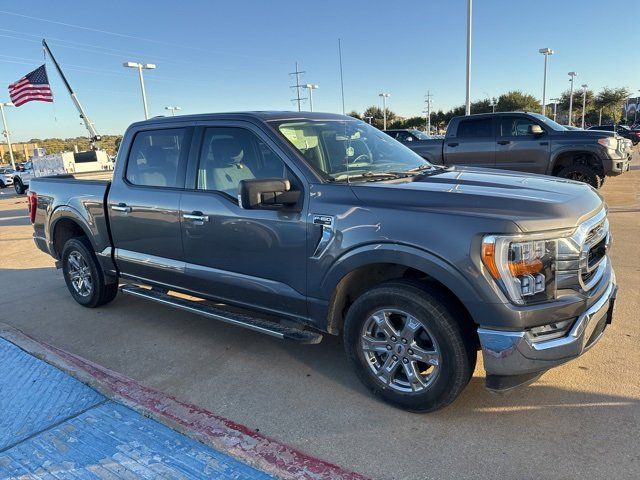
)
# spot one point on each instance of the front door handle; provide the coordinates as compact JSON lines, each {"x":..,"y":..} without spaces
{"x":504,"y":142}
{"x":121,"y":207}
{"x":453,"y":144}
{"x":196,"y":217}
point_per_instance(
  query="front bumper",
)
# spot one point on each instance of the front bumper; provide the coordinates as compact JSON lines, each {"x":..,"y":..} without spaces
{"x":7,"y":180}
{"x":512,"y":359}
{"x":616,"y":166}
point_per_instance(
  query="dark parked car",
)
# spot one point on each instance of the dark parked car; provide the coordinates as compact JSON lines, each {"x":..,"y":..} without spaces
{"x":526,"y":142}
{"x":303,"y":224}
{"x":407,"y":135}
{"x":622,"y":130}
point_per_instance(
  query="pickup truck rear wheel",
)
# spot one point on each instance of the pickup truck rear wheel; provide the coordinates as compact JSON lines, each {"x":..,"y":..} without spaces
{"x":83,"y":274}
{"x":407,"y":347}
{"x":581,"y":173}
{"x":19,"y":187}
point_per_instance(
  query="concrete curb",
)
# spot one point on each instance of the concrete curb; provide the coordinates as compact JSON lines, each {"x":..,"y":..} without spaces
{"x":222,"y":434}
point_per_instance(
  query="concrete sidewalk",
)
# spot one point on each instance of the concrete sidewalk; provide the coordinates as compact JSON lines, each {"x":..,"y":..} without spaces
{"x":53,"y":426}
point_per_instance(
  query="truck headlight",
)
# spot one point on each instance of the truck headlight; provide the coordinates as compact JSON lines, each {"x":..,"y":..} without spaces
{"x":524,"y":268}
{"x":608,"y":142}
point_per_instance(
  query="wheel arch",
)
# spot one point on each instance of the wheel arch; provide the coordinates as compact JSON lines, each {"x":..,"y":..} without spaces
{"x":369,"y":266}
{"x":566,"y":157}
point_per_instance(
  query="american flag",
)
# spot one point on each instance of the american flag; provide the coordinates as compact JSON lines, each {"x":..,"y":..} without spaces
{"x":33,"y":86}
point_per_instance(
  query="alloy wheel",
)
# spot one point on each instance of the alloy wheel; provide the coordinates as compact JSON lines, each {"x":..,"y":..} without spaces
{"x":400,"y":351}
{"x":79,"y":274}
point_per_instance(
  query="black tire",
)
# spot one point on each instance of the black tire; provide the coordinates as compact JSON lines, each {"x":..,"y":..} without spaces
{"x":19,"y":187}
{"x":455,"y":343}
{"x":100,"y":292}
{"x":2,"y":185}
{"x":581,"y":173}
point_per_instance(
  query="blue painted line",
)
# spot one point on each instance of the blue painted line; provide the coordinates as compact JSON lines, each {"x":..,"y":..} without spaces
{"x":58,"y":427}
{"x":34,"y":395}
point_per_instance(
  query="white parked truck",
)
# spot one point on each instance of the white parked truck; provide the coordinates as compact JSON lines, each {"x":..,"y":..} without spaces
{"x":42,"y":165}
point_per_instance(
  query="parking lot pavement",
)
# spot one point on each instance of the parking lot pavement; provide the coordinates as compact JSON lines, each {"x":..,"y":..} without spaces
{"x":579,"y":420}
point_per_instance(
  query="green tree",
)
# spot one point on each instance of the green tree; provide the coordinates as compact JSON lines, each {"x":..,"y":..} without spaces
{"x":611,"y":100}
{"x":576,"y":108}
{"x":517,"y":100}
{"x":354,"y":114}
{"x":376,"y":113}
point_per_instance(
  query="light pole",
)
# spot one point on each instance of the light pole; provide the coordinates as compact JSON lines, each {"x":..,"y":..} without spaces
{"x":584,"y":101}
{"x":555,"y":107}
{"x":6,"y":132}
{"x":140,"y":67}
{"x":428,"y":112}
{"x":546,"y":52}
{"x":173,"y":110}
{"x":311,"y":87}
{"x":467,"y":108}
{"x":571,"y":77}
{"x":368,"y":119}
{"x":384,"y":109}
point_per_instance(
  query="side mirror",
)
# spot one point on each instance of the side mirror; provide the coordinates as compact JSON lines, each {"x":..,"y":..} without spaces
{"x":267,"y":193}
{"x":535,"y":129}
{"x":408,"y":139}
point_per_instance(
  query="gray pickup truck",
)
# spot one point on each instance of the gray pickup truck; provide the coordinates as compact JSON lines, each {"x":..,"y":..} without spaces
{"x":525,"y":142}
{"x":297,"y":225}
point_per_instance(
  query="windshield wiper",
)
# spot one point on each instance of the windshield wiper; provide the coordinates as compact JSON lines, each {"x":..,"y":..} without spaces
{"x":367,"y":175}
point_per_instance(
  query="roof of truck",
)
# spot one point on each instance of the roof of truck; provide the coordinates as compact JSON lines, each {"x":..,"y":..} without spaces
{"x":264,"y":116}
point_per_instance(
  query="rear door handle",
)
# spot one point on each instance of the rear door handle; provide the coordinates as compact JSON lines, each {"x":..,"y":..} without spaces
{"x":453,"y":144}
{"x":504,"y":142}
{"x":196,"y":217}
{"x":121,"y":207}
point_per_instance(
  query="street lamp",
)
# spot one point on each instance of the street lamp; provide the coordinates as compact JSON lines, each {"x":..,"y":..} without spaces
{"x":546,"y":52}
{"x":173,"y":110}
{"x":584,"y":101}
{"x":571,"y":77}
{"x":6,"y":132}
{"x":555,"y":107}
{"x":140,"y":67}
{"x":311,"y":87}
{"x":467,"y":108}
{"x":384,"y":109}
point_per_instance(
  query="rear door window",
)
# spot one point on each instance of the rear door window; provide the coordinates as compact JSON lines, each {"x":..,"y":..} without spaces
{"x":155,"y":158}
{"x":475,"y":128}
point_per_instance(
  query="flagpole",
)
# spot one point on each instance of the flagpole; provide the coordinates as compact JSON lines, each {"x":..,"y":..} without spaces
{"x":87,"y":122}
{"x":6,"y":133}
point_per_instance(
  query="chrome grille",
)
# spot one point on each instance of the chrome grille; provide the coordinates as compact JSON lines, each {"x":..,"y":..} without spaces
{"x":582,"y":259}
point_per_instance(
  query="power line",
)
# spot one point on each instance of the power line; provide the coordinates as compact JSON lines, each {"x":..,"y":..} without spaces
{"x":297,"y":86}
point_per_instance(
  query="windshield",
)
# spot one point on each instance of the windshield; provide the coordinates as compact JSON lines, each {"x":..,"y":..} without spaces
{"x":549,"y":123}
{"x":350,"y":150}
{"x":420,"y":135}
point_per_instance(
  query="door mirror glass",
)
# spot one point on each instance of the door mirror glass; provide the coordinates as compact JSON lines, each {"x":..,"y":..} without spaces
{"x":267,"y":193}
{"x":535,"y":129}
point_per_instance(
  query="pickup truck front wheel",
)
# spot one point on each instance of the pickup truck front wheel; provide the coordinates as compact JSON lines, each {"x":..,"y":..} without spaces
{"x":581,"y":173}
{"x":83,"y":274}
{"x":407,"y":347}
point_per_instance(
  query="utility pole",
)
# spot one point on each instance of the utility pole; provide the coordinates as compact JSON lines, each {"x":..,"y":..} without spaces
{"x":468,"y":97}
{"x":546,"y":52}
{"x":140,"y":67}
{"x":600,"y":117}
{"x":428,"y":102}
{"x":571,"y":77}
{"x":297,"y":86}
{"x":384,"y":109}
{"x":311,"y":87}
{"x":555,"y":107}
{"x":584,"y":101}
{"x":6,"y":132}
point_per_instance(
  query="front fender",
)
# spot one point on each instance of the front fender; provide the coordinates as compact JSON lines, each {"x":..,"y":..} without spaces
{"x":408,"y":256}
{"x":595,"y":150}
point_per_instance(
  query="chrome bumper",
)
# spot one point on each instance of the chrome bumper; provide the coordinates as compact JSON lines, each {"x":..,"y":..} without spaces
{"x":511,"y":358}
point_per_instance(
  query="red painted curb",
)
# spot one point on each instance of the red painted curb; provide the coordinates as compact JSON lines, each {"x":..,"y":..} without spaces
{"x":225,"y":435}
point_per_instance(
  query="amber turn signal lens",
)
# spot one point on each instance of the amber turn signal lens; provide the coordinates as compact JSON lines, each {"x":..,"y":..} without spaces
{"x":489,"y":258}
{"x":518,"y":269}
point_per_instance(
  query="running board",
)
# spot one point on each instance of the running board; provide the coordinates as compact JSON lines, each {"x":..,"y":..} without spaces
{"x":239,"y":319}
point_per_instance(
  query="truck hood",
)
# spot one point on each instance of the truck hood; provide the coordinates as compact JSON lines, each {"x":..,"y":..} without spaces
{"x":533,"y":202}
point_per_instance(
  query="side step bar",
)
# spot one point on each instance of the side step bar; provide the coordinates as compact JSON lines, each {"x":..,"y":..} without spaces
{"x":256,"y":324}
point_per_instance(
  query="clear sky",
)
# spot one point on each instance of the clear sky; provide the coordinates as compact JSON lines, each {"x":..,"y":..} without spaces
{"x":216,"y":56}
